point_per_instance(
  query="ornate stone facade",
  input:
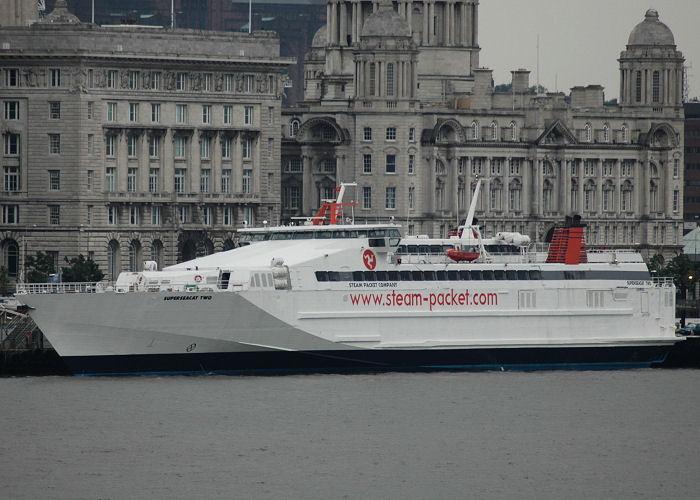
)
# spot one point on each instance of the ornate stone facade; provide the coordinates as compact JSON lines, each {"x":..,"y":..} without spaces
{"x":128,"y":143}
{"x":395,"y":101}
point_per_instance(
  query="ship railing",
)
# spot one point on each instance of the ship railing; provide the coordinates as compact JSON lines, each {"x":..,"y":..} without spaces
{"x":81,"y":287}
{"x":662,"y":281}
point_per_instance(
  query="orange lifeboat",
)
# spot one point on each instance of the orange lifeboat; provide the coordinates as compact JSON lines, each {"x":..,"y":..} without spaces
{"x":462,"y":255}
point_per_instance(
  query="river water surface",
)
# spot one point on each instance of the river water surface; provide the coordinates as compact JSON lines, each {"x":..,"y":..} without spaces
{"x":597,"y":434}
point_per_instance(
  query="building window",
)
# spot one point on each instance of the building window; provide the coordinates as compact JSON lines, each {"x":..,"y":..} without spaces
{"x":131,"y":177}
{"x":390,"y":164}
{"x":495,"y":198}
{"x":179,"y":180}
{"x":54,"y":180}
{"x":112,"y":79}
{"x":606,"y":133}
{"x":183,"y":214}
{"x":655,"y":86}
{"x":90,"y":179}
{"x":11,"y":77}
{"x":10,"y":214}
{"x":133,"y":215}
{"x":389,"y":79}
{"x":328,"y":165}
{"x":206,"y":82}
{"x":54,"y":215}
{"x":153,"y":179}
{"x":180,"y":146}
{"x":11,"y":179}
{"x":270,"y":115}
{"x":249,"y":84}
{"x":228,"y":216}
{"x":206,"y":113}
{"x":494,"y":131}
{"x":90,"y":143}
{"x":367,"y":134}
{"x":12,"y":110}
{"x":228,"y":111}
{"x":206,"y":216}
{"x":90,"y":110}
{"x":515,"y":166}
{"x":293,"y":165}
{"x":366,"y":164}
{"x":228,"y":82}
{"x":133,"y":80}
{"x":204,"y":180}
{"x":514,"y":198}
{"x":588,"y":132}
{"x":676,"y":167}
{"x":626,"y":169}
{"x":247,"y":179}
{"x":153,"y":146}
{"x":390,"y":203}
{"x":246,"y":149}
{"x":112,"y":215}
{"x":513,"y":131}
{"x":391,"y":133}
{"x":155,"y":215}
{"x":475,"y":130}
{"x":181,"y":113}
{"x":111,"y":111}
{"x":132,"y":146}
{"x":226,"y":180}
{"x":226,"y":148}
{"x":11,"y":144}
{"x":181,"y":81}
{"x":411,"y":163}
{"x":608,"y":168}
{"x":589,"y":168}
{"x":110,"y":179}
{"x":155,"y":80}
{"x":676,"y":199}
{"x":496,"y":164}
{"x":366,"y":197}
{"x":411,"y":197}
{"x":155,"y":113}
{"x":626,"y":199}
{"x":477,"y":166}
{"x":55,"y":75}
{"x":248,"y":115}
{"x":411,"y":134}
{"x":204,"y":146}
{"x":110,"y":141}
{"x":608,"y":202}
{"x":55,"y":144}
{"x":270,"y":147}
{"x":638,"y":87}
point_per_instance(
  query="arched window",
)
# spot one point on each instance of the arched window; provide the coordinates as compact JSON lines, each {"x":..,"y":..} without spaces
{"x":113,"y":260}
{"x":655,"y":86}
{"x":626,"y":197}
{"x":475,"y":130}
{"x":494,"y":131}
{"x":625,"y":133}
{"x":514,"y":195}
{"x":10,"y":257}
{"x":653,"y":191}
{"x":294,"y":128}
{"x":589,"y":197}
{"x":588,"y":132}
{"x":135,"y":256}
{"x":574,"y":196}
{"x":547,"y":189}
{"x":513,"y":131}
{"x":608,"y":197}
{"x":495,"y":196}
{"x":606,"y":133}
{"x":390,"y":79}
{"x":157,"y":253}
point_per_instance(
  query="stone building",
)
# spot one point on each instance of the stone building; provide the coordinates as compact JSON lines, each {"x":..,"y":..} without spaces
{"x":691,"y":192}
{"x":18,"y":12}
{"x":396,"y":101}
{"x":130,"y":143}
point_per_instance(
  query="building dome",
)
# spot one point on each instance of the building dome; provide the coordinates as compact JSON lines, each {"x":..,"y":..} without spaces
{"x":321,"y":37}
{"x":386,"y":22}
{"x":651,"y":31}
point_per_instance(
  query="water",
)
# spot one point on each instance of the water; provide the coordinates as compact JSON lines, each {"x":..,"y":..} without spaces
{"x":603,"y":434}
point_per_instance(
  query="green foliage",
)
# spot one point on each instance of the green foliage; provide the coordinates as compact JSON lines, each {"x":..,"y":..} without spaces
{"x":81,"y":269}
{"x":39,"y":267}
{"x":538,"y":89}
{"x":503,"y":87}
{"x":5,"y":288}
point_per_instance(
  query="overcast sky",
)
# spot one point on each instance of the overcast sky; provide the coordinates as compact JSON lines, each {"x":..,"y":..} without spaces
{"x":580,"y":41}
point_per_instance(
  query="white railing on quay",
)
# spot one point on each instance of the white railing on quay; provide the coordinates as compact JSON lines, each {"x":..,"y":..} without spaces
{"x":83,"y":287}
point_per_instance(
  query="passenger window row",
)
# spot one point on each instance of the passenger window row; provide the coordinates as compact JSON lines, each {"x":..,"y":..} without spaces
{"x":451,"y":275}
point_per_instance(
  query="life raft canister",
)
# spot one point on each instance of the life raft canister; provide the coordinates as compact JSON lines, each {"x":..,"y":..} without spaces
{"x":197,"y":278}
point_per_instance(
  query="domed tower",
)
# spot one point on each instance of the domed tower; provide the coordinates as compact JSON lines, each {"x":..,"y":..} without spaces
{"x":386,"y":66}
{"x":651,"y":69}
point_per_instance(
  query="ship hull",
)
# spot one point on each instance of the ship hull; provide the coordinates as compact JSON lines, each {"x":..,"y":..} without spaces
{"x":549,"y":358}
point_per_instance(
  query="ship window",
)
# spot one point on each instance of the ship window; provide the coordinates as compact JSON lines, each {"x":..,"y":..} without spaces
{"x":376,"y":242}
{"x":511,"y":275}
{"x":499,"y":274}
{"x":488,"y":275}
{"x":424,"y":249}
{"x":393,"y":275}
{"x":333,"y":276}
{"x":412,"y":249}
{"x":441,"y":275}
{"x":523,"y":275}
{"x":357,"y":276}
{"x":429,"y":275}
{"x":370,"y":276}
{"x":476,"y":275}
{"x":446,"y":247}
{"x":377,"y":233}
{"x":226,"y":276}
{"x":381,"y":276}
{"x":323,"y":235}
{"x":321,"y":275}
{"x":402,"y":249}
{"x":417,"y":275}
{"x":435,"y":249}
{"x":406,"y":276}
{"x":535,"y":275}
{"x":466,"y":275}
{"x":452,"y":275}
{"x":303,"y":235}
{"x":345,"y":276}
{"x":263,"y":279}
{"x":256,"y":277}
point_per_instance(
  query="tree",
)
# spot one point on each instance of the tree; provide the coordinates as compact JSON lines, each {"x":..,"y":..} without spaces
{"x":680,"y":268}
{"x":39,"y":267}
{"x":81,"y":269}
{"x":5,"y":288}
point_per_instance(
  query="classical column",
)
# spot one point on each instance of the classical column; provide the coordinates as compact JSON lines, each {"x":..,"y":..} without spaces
{"x":329,"y":23}
{"x":343,"y":36}
{"x":426,"y":15}
{"x":307,"y":189}
{"x":454,"y":201}
{"x":476,"y":24}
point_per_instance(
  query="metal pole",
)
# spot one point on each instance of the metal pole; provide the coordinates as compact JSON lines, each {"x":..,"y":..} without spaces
{"x":172,"y":14}
{"x":250,"y":16}
{"x":93,"y":11}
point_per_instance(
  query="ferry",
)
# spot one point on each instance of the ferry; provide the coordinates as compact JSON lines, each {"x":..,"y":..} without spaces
{"x":333,"y":296}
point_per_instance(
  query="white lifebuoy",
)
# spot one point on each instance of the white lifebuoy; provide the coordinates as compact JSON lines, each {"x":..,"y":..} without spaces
{"x":197,"y":278}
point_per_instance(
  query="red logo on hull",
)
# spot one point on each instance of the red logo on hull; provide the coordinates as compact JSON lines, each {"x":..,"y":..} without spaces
{"x":369,"y":259}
